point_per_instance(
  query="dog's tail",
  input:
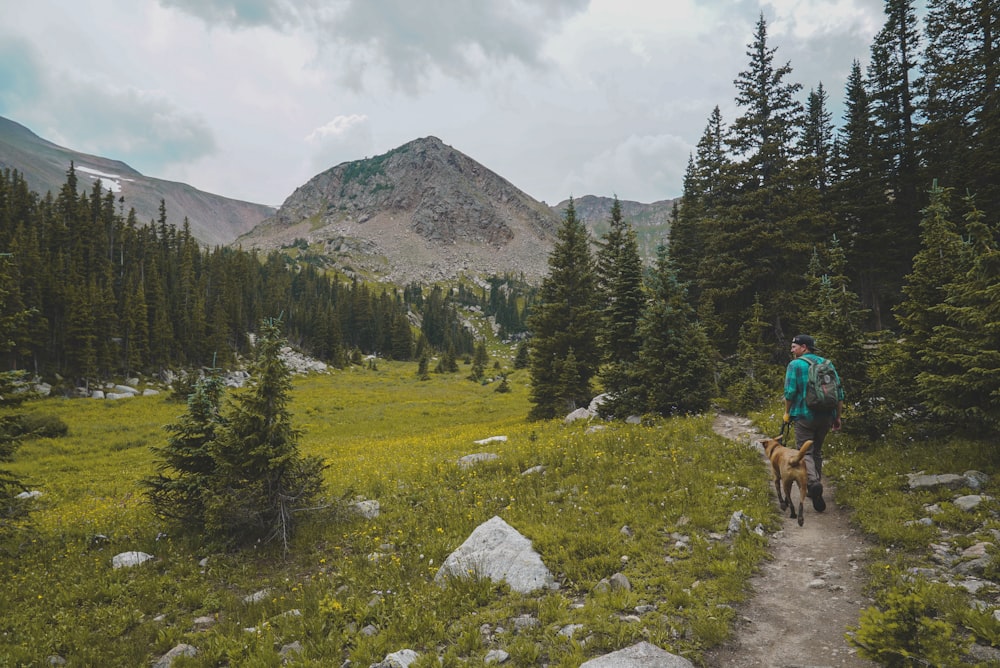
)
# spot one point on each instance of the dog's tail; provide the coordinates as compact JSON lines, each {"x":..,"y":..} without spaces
{"x":797,"y":457}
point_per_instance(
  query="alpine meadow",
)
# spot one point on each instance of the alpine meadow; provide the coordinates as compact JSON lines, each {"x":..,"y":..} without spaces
{"x":272,"y":454}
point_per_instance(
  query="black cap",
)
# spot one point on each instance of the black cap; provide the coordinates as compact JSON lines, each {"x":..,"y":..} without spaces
{"x":805,"y":340}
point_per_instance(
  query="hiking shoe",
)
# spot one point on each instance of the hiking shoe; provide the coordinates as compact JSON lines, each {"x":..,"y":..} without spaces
{"x":815,"y":492}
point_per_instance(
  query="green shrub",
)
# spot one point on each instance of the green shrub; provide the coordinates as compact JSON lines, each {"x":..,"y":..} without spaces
{"x":908,"y":628}
{"x":42,"y":425}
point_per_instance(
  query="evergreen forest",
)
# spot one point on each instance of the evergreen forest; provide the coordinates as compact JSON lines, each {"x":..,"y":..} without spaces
{"x":876,"y":235}
{"x":103,"y":295}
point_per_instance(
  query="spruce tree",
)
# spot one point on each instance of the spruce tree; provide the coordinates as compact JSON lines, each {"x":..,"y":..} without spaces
{"x":675,"y":367}
{"x":261,"y":480}
{"x":619,"y":276}
{"x":959,"y":380}
{"x":12,"y":395}
{"x":860,"y":205}
{"x":753,"y":244}
{"x":943,"y":258}
{"x":892,"y":93}
{"x":619,"y":279}
{"x":186,"y":465}
{"x":748,"y":379}
{"x":479,"y":362}
{"x":564,"y":324}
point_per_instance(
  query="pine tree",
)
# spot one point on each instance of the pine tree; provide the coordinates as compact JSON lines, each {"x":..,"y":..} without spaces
{"x":959,"y":380}
{"x":619,"y":280}
{"x":756,"y":238}
{"x":943,"y":258}
{"x":675,"y":369}
{"x":860,"y":206}
{"x":12,"y":394}
{"x":892,"y":94}
{"x":748,"y":381}
{"x":261,"y":480}
{"x":564,"y":321}
{"x":479,"y":361}
{"x":186,"y":465}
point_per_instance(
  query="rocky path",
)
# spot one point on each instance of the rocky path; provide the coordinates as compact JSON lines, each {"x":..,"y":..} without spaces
{"x":803,"y":599}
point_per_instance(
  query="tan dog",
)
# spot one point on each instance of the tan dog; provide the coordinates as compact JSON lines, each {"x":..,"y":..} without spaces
{"x":788,"y":468}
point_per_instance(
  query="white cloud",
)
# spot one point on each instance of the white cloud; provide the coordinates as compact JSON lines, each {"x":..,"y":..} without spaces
{"x":250,"y":98}
{"x":338,"y":127}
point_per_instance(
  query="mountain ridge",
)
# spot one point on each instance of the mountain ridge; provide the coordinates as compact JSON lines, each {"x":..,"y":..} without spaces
{"x":214,"y":219}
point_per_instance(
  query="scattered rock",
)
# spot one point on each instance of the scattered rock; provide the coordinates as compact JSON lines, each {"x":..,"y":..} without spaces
{"x":401,"y":659}
{"x":491,"y":439}
{"x":525,"y":622}
{"x":496,"y":656}
{"x":256,"y":597}
{"x":468,"y":461}
{"x":619,"y":582}
{"x":180,"y":650}
{"x":129,"y":559}
{"x":368,"y":509}
{"x":578,"y":414}
{"x":923,"y":481}
{"x":290,"y":651}
{"x":495,"y":550}
{"x":640,"y":655}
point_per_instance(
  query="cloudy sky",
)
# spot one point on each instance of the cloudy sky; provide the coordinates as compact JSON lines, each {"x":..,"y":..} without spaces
{"x":251,"y":98}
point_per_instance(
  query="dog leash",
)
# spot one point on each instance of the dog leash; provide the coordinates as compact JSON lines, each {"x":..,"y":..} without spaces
{"x":784,"y":430}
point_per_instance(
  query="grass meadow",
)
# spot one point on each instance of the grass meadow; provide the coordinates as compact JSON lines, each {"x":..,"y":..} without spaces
{"x":357,"y":589}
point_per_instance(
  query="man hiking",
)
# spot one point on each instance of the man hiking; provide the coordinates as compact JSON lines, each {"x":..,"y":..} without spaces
{"x":813,"y":406}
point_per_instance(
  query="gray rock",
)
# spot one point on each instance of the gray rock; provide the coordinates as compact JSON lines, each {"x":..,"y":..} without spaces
{"x":969,"y":502}
{"x":578,"y":414}
{"x":97,"y":394}
{"x":129,"y":559}
{"x":980,"y":654}
{"x":491,"y":439}
{"x":619,"y":582}
{"x":525,"y":622}
{"x":180,"y":650}
{"x":203,"y":622}
{"x":633,"y":419}
{"x":257,"y":596}
{"x":976,"y":479}
{"x":125,"y":389}
{"x":468,"y":461}
{"x":33,"y":494}
{"x":496,"y":656}
{"x":640,"y":655}
{"x":924,"y":481}
{"x":570,"y":630}
{"x":290,"y":651}
{"x":974,"y":567}
{"x":533,"y":470}
{"x":401,"y":659}
{"x":495,"y":550}
{"x":367,"y":509}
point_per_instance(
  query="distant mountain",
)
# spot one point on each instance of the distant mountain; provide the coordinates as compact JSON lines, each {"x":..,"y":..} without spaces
{"x":651,"y":221}
{"x":421,"y":212}
{"x":215,"y":220}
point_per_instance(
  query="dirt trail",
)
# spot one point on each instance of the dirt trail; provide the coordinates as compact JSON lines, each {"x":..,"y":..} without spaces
{"x":806,"y":596}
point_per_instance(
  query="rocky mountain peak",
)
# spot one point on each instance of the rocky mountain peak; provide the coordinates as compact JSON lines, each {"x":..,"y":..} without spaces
{"x":422,"y":211}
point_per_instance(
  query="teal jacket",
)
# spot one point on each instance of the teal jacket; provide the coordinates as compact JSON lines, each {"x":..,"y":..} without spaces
{"x":796,"y":376}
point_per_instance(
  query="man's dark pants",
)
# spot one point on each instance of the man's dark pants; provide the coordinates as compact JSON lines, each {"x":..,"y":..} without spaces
{"x":816,"y":431}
